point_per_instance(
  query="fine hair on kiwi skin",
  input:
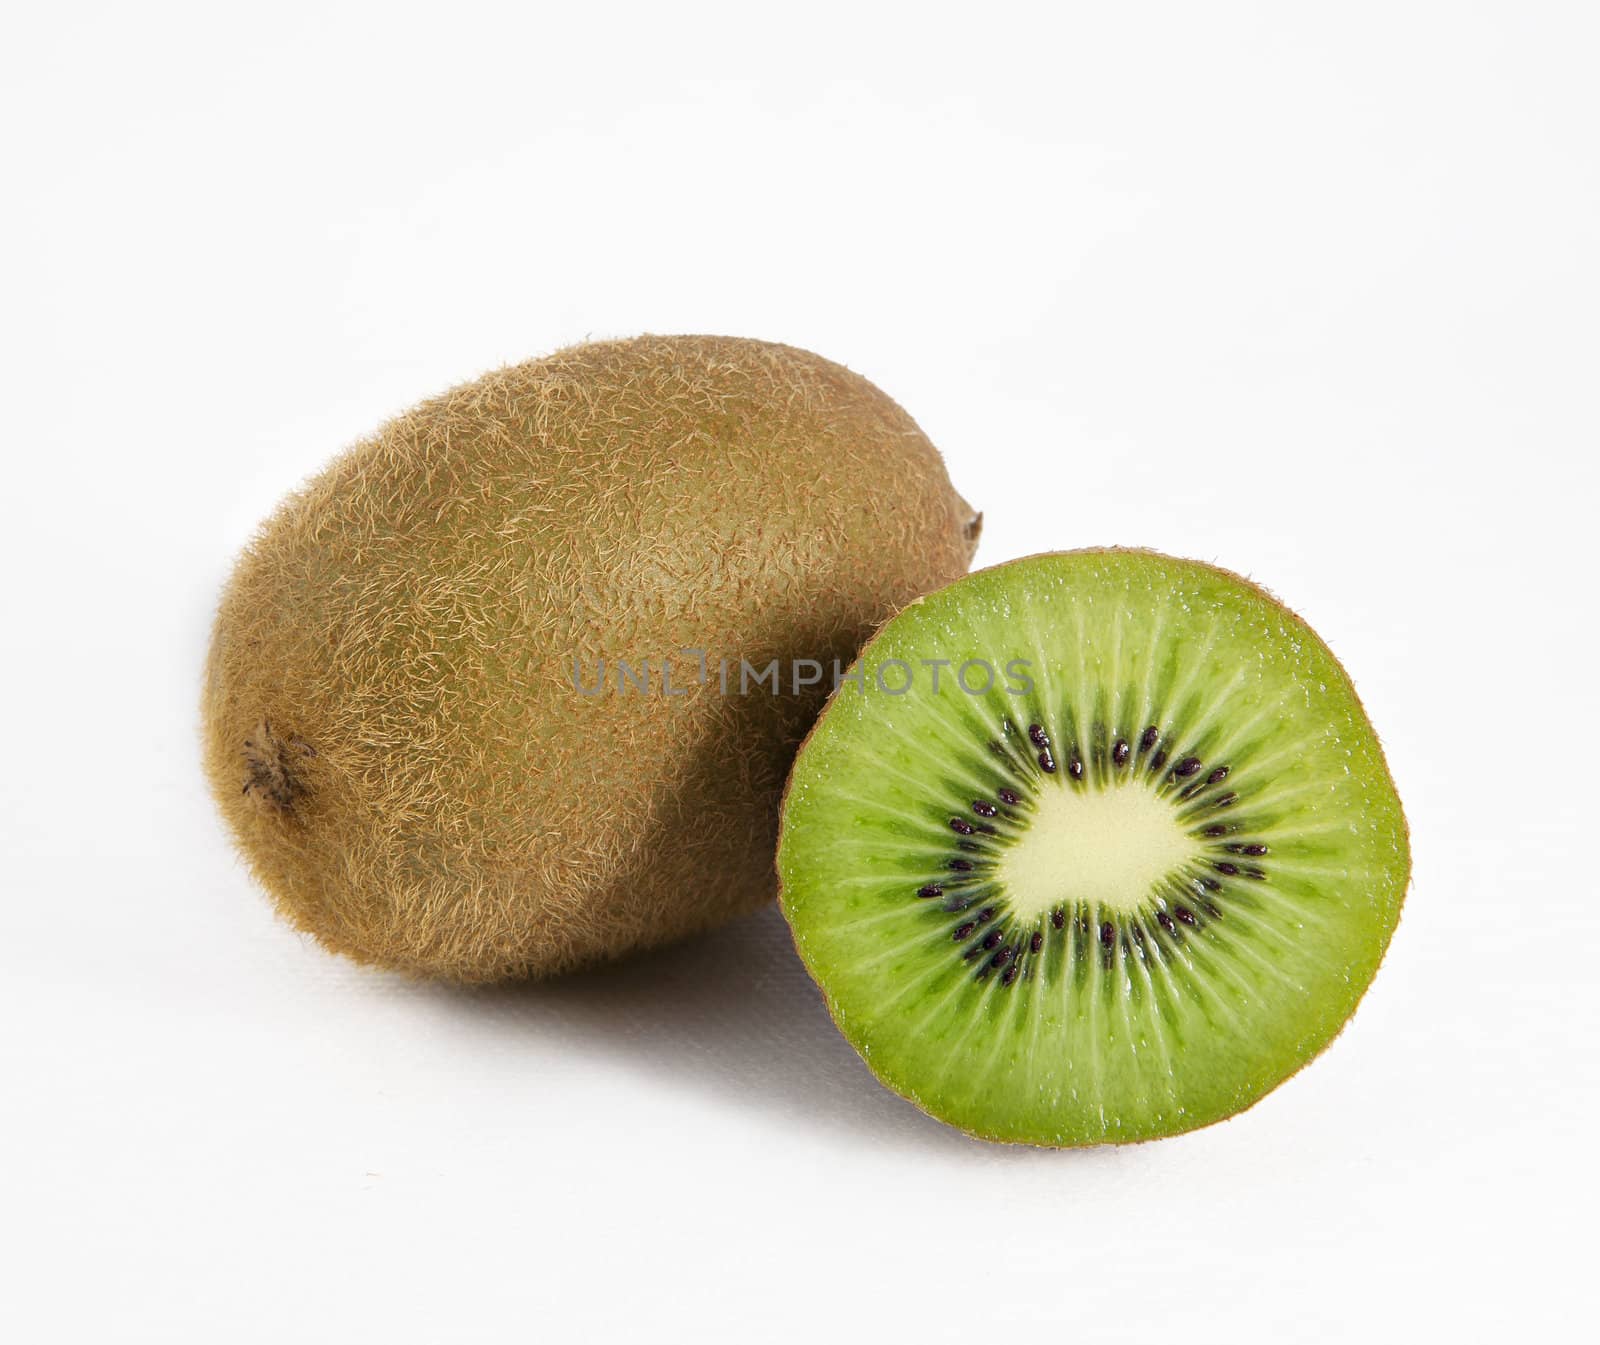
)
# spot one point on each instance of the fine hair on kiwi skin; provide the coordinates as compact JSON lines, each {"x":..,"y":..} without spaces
{"x":1123,"y":905}
{"x":391,"y":725}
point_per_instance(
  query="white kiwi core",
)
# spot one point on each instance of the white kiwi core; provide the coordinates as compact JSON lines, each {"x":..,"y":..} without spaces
{"x":1109,"y":847}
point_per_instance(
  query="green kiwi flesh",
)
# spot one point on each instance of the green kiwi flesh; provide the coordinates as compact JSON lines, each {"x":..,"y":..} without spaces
{"x":1129,"y":867}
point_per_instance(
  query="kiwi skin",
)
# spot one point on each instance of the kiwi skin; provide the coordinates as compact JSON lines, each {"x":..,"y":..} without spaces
{"x":974,"y":1132}
{"x":390,"y":723}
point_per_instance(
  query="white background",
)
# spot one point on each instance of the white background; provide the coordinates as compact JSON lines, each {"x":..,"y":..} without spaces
{"x":1307,"y":290}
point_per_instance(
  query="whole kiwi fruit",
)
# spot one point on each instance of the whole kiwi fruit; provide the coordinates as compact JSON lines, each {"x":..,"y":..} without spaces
{"x":514,"y":685}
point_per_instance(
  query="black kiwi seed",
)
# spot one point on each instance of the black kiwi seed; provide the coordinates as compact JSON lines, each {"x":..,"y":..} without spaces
{"x":986,"y":915}
{"x":1187,"y":767}
{"x":1200,"y":786}
{"x":1165,"y":921}
{"x":984,"y":808}
{"x":1009,"y":797}
{"x":1108,"y":934}
{"x":961,"y":826}
{"x":1058,"y":917}
{"x":1011,"y":973}
{"x":1185,"y":915}
{"x":1147,"y":739}
{"x":1120,"y":752}
{"x":1075,"y":767}
{"x":1158,"y":761}
{"x":930,"y":890}
{"x":1047,"y":761}
{"x":1001,"y":957}
{"x":1255,"y":848}
{"x":1223,"y":800}
{"x":1218,"y":829}
{"x":1226,"y":869}
{"x":963,"y":931}
{"x":961,"y":865}
{"x":1038,"y":735}
{"x":1036,"y":942}
{"x":991,"y":938}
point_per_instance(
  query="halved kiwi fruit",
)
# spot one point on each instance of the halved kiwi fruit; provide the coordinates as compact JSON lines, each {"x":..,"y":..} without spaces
{"x":1094,"y":847}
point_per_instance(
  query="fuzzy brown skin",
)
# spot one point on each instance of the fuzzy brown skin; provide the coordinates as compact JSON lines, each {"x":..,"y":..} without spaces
{"x":391,"y":726}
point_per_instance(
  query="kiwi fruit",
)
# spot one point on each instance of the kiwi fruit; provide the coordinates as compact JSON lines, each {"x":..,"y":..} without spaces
{"x":468,"y":708}
{"x":1092,"y":847}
